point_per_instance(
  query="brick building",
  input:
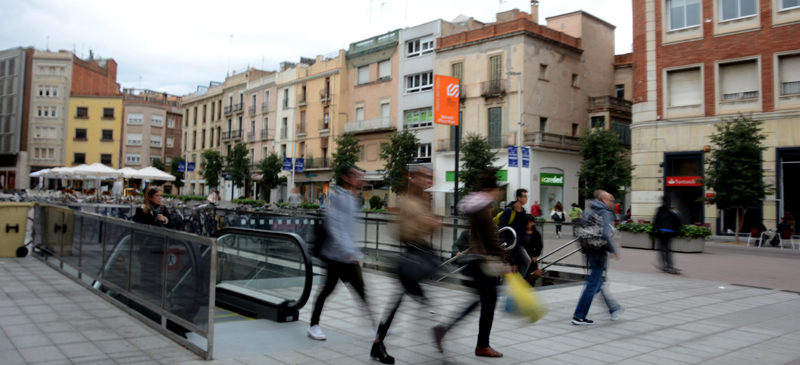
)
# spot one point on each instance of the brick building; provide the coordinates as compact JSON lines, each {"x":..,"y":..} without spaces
{"x":695,"y":64}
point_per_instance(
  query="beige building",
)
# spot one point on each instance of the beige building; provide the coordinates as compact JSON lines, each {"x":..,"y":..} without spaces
{"x":564,"y":65}
{"x":260,"y":104}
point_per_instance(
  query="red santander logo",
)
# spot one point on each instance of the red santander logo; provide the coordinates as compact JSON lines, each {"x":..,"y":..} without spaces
{"x":683,"y":181}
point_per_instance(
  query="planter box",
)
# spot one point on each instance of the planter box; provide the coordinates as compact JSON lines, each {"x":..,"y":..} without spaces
{"x":685,"y":245}
{"x":636,"y":240}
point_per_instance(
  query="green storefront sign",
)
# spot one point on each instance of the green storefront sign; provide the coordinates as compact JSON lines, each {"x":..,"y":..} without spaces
{"x":551,"y":179}
{"x":502,"y":175}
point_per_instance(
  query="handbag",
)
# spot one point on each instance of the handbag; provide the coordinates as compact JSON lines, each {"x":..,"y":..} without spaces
{"x":523,"y":299}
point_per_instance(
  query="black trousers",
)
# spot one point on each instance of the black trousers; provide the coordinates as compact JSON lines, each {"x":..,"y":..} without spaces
{"x":487,"y":291}
{"x":339,"y":271}
{"x":665,"y":246}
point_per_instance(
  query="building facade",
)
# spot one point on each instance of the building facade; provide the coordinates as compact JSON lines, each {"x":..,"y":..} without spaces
{"x":699,"y":63}
{"x":260,"y":104}
{"x":15,"y":85}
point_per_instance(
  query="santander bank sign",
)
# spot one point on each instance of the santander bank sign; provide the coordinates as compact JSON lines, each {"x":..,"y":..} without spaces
{"x":683,"y":181}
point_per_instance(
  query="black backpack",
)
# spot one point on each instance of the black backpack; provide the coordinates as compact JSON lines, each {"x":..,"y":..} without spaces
{"x":320,"y":237}
{"x":590,"y":234}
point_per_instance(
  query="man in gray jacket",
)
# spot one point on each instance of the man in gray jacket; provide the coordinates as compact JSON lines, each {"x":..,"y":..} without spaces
{"x":339,"y":251}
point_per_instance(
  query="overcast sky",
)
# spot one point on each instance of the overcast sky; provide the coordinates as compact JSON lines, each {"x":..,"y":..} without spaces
{"x":174,"y":46}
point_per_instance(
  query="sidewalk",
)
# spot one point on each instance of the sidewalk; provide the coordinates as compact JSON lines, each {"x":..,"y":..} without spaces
{"x":48,"y":319}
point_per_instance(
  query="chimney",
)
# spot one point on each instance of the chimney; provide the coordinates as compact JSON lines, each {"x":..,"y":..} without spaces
{"x":535,"y":11}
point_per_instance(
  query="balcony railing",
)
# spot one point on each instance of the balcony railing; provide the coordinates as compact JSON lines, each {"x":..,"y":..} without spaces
{"x":251,"y":136}
{"x":502,"y":141}
{"x":317,"y":163}
{"x":284,"y":133}
{"x":493,"y":88}
{"x":264,"y":107}
{"x":267,"y":133}
{"x":552,"y":140}
{"x":301,"y":127}
{"x":236,"y":134}
{"x":324,"y":125}
{"x":325,"y":96}
{"x":444,"y":145}
{"x":608,"y":101}
{"x":251,"y":110}
{"x":228,"y":110}
{"x":237,"y":107}
{"x":301,"y":100}
{"x":369,"y":125}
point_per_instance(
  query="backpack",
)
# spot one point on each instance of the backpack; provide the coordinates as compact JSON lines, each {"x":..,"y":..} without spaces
{"x":496,"y":219}
{"x":590,"y":234}
{"x":320,"y":237}
{"x":558,"y":216}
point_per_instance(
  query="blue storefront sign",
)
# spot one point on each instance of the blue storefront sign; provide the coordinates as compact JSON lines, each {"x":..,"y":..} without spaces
{"x":513,"y":159}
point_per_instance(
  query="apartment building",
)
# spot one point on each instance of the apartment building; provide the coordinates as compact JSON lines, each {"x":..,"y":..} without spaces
{"x":151,"y":129}
{"x":260,"y":102}
{"x":372,"y":84}
{"x":563,"y":65}
{"x":695,"y":64}
{"x":15,"y":85}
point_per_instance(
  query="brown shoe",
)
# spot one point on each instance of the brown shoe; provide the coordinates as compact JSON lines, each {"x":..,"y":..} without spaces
{"x":487,"y":352}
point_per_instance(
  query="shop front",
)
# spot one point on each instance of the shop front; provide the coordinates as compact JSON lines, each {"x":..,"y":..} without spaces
{"x":682,"y":174}
{"x":551,"y":189}
{"x":788,"y":173}
{"x":312,"y":184}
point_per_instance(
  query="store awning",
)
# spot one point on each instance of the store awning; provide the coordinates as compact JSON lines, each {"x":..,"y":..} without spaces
{"x":445,"y":187}
{"x":373,"y":177}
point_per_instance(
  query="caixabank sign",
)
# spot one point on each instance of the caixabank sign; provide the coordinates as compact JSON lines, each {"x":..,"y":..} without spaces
{"x":551,"y":179}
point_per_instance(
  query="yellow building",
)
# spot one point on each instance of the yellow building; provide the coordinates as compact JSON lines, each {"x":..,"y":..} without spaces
{"x":93,"y":130}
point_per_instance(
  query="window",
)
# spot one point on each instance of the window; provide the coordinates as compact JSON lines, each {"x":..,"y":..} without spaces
{"x":108,"y":135}
{"x":283,"y":150}
{"x":285,"y":127}
{"x":575,"y":80}
{"x":171,"y":121}
{"x":495,"y":68}
{"x":684,"y":87}
{"x":424,"y":150}
{"x":733,"y":9}
{"x":135,"y":118}
{"x":213,"y":104}
{"x":80,"y":134}
{"x":108,"y":113}
{"x":82,"y":112}
{"x":52,"y":133}
{"x":105,"y":159}
{"x":419,"y":82}
{"x":169,"y":158}
{"x":51,"y":153}
{"x":38,"y":133}
{"x":285,"y":98}
{"x":386,"y":109}
{"x":203,"y":140}
{"x":36,"y":150}
{"x":361,"y":153}
{"x":789,"y":73}
{"x":157,"y":121}
{"x":683,"y":13}
{"x":53,"y":111}
{"x":265,"y":153}
{"x":385,"y":70}
{"x":738,"y":80}
{"x":171,"y":141}
{"x":39,"y":111}
{"x":599,"y":122}
{"x":363,"y":74}
{"x":205,"y":109}
{"x":419,"y":47}
{"x":55,"y":91}
{"x":495,"y":127}
{"x":419,"y":118}
{"x":194,"y":140}
{"x":41,"y":90}
{"x":619,"y":91}
{"x":79,"y":158}
{"x":574,"y":130}
{"x":195,"y":116}
{"x":155,"y":140}
{"x":789,"y":4}
{"x":134,"y":139}
{"x":153,"y":159}
{"x":219,"y":110}
{"x":133,"y":158}
{"x":210,"y":140}
{"x":360,"y":113}
{"x":542,"y":124}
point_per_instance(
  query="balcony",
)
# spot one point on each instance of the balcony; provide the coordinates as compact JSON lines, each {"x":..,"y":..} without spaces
{"x":493,"y":88}
{"x":552,"y":140}
{"x":502,"y":141}
{"x":267,"y":134}
{"x":444,"y":145}
{"x":317,"y":163}
{"x":251,"y":110}
{"x":237,"y":107}
{"x":301,"y":100}
{"x":324,"y":125}
{"x":301,"y":127}
{"x":370,"y":125}
{"x":264,"y":107}
{"x":228,"y":110}
{"x":251,"y":136}
{"x":609,"y":103}
{"x":325,"y":96}
{"x":237,"y":134}
{"x":624,"y":132}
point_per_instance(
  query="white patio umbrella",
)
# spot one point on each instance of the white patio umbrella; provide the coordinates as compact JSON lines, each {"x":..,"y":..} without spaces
{"x":40,"y":174}
{"x":96,"y":171}
{"x":152,"y":173}
{"x":127,"y":173}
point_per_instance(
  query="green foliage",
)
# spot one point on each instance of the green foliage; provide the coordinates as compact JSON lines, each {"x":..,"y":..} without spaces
{"x":636,"y":227}
{"x":249,"y":201}
{"x":346,"y":155}
{"x":283,"y":205}
{"x":691,"y":231}
{"x":271,"y":167}
{"x":239,"y":165}
{"x":191,"y":197}
{"x":734,"y":170}
{"x":686,"y":231}
{"x":605,"y":165}
{"x":477,"y":158}
{"x":211,"y":168}
{"x":398,"y":153}
{"x":157,"y":163}
{"x":174,"y":172}
{"x":307,"y":205}
{"x":375,"y":202}
{"x":165,"y":195}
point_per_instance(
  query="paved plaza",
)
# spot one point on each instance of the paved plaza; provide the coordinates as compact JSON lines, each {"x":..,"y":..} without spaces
{"x":46,"y":318}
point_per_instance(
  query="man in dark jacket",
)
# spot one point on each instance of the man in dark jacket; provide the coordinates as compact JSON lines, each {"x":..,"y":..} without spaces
{"x":519,"y":224}
{"x":666,"y":225}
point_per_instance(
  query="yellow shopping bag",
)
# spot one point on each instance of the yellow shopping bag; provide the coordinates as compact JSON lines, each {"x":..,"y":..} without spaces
{"x":526,"y":299}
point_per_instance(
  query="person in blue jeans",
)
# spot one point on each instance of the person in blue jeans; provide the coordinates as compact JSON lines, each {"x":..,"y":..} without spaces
{"x":596,"y":263}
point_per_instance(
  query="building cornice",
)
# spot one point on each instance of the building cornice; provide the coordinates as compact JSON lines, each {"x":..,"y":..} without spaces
{"x":510,"y":35}
{"x":777,"y":115}
{"x":309,"y":78}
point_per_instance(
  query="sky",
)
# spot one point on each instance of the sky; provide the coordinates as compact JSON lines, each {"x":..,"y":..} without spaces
{"x":175,"y":45}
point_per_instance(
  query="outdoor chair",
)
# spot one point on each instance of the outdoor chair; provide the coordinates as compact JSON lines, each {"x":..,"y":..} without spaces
{"x":757,"y":234}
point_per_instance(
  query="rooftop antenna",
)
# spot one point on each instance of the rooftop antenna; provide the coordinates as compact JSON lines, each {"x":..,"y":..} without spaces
{"x":230,"y":42}
{"x":382,"y":4}
{"x":500,"y":6}
{"x":47,"y":44}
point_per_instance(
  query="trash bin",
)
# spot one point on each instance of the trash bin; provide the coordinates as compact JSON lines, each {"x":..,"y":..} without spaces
{"x":14,"y":218}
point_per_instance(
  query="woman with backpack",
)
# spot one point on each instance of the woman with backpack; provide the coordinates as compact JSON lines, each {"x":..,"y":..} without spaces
{"x":558,"y":216}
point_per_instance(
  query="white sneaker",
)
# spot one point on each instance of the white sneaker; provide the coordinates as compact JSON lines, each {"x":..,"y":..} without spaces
{"x":316,"y":333}
{"x":618,"y":313}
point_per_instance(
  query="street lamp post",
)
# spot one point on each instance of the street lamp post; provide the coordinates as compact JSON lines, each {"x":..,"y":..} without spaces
{"x":519,"y":126}
{"x":292,"y":143}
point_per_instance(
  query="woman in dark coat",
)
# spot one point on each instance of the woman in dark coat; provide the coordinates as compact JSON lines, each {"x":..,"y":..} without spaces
{"x":152,"y":213}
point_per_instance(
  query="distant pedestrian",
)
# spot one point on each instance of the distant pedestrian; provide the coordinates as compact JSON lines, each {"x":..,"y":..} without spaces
{"x":321,"y":200}
{"x":666,"y":225}
{"x":385,"y":201}
{"x":558,"y":216}
{"x":296,"y":198}
{"x":531,"y":241}
{"x":618,"y":211}
{"x":575,"y":216}
{"x":598,"y":221}
{"x":213,"y":197}
{"x":536,"y":209}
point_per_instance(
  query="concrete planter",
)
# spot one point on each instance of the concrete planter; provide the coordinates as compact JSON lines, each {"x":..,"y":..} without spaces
{"x":635,"y":240}
{"x":686,"y":245}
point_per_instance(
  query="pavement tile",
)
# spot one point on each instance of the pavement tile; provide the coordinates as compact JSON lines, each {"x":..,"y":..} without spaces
{"x":61,"y":338}
{"x":41,"y":354}
{"x":12,"y":357}
{"x":80,"y":349}
{"x":28,"y":341}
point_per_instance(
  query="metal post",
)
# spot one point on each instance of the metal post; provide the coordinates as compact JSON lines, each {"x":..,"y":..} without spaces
{"x":292,"y":143}
{"x":519,"y":130}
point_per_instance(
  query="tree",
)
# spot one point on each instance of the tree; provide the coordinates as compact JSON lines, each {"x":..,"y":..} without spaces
{"x":159,"y":165}
{"x":605,"y":165}
{"x":271,"y":167}
{"x":346,"y":155}
{"x":398,"y":153}
{"x":178,"y":183}
{"x":239,"y":165}
{"x":211,"y":167}
{"x":477,"y":158}
{"x":734,"y":170}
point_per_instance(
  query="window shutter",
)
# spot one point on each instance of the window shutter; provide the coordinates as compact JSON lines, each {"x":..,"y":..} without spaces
{"x":363,"y":74}
{"x":386,"y":109}
{"x":684,"y":87}
{"x":496,"y":68}
{"x":789,"y":68}
{"x":457,"y":71}
{"x":385,"y":69}
{"x":738,"y":77}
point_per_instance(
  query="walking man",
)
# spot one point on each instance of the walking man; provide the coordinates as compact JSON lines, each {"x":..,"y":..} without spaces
{"x":666,"y":224}
{"x":597,"y":258}
{"x":339,"y":250}
{"x":519,"y":224}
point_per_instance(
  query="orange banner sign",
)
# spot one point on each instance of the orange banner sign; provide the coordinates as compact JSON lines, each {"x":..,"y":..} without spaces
{"x":445,"y":100}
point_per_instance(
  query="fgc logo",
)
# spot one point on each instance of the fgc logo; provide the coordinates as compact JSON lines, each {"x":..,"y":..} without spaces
{"x":452,"y":90}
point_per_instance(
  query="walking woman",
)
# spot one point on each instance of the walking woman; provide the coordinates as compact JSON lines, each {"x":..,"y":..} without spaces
{"x":152,"y":213}
{"x":558,"y":215}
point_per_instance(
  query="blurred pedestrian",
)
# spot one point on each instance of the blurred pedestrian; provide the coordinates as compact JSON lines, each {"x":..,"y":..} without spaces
{"x":558,"y":216}
{"x":339,"y":251}
{"x":599,"y":218}
{"x":296,"y":198}
{"x":152,"y":213}
{"x":532,"y":243}
{"x":485,"y":263}
{"x":666,"y":225}
{"x":575,"y":216}
{"x":415,"y":224}
{"x":213,"y":197}
{"x":536,"y":209}
{"x":385,"y":201}
{"x":618,"y":211}
{"x":514,"y":216}
{"x":321,"y":200}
